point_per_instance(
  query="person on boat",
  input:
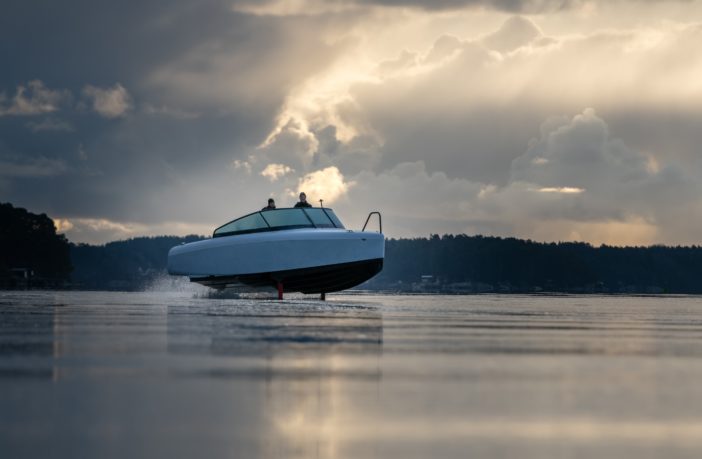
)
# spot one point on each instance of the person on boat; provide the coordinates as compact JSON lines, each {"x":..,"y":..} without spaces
{"x":271,"y":204}
{"x":303,"y":201}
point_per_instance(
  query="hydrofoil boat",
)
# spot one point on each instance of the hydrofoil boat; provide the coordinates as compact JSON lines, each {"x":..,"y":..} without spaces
{"x":304,"y":250}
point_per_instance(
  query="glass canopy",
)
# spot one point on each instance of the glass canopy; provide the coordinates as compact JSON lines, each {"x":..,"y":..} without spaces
{"x":281,"y":219}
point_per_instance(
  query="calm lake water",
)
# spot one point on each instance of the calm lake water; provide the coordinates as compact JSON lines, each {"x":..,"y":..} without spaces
{"x":171,"y":375}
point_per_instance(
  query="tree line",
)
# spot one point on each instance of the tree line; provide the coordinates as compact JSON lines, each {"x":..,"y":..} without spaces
{"x":448,"y":264}
{"x":122,"y":265}
{"x":480,"y":263}
{"x":32,"y":254}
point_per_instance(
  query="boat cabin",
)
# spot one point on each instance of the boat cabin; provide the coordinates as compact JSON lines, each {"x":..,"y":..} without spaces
{"x":281,"y":219}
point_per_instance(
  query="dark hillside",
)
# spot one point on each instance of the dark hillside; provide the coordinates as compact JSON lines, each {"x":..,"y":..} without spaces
{"x":476,"y":263}
{"x":122,"y":265}
{"x":31,"y":253}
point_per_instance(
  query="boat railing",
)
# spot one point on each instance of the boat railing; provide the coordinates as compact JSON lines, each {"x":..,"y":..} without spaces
{"x":380,"y":221}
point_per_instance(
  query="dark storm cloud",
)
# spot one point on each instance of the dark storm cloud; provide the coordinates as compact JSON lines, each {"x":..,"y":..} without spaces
{"x":34,"y":98}
{"x":124,"y":103}
{"x":101,"y":41}
{"x":71,"y":44}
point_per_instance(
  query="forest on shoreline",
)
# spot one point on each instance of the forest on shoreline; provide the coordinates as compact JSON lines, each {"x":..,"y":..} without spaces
{"x":446,"y":264}
{"x":482,"y":264}
{"x":33,"y":255}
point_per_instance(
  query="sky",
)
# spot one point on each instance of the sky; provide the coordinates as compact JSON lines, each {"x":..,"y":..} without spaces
{"x":550,"y":120}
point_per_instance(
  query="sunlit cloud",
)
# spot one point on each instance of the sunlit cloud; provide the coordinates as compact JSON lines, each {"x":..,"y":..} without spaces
{"x":62,"y":225}
{"x":239,"y":164}
{"x":111,"y":102}
{"x":293,"y":7}
{"x":314,"y":7}
{"x":101,"y":224}
{"x":562,"y":190}
{"x":518,"y":63}
{"x":275,"y":171}
{"x":327,"y":184}
{"x":101,"y":231}
{"x":623,"y":203}
{"x":34,"y":98}
{"x":633,"y":231}
{"x":293,"y":130}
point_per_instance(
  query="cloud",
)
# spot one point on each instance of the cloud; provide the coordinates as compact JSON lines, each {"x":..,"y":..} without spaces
{"x":561,"y":189}
{"x":240,"y":164}
{"x":463,"y":115}
{"x":292,"y":7}
{"x":50,"y":124}
{"x":444,"y":47}
{"x":621,"y":184}
{"x":412,"y":201}
{"x":62,"y":225}
{"x":590,"y":186}
{"x":467,"y":107}
{"x":514,"y":33}
{"x":100,"y":231}
{"x":503,"y":5}
{"x":111,"y":102}
{"x":404,"y":61}
{"x":448,"y":116}
{"x":239,"y":69}
{"x":327,"y":184}
{"x":291,"y":143}
{"x":586,"y":180}
{"x":31,"y":167}
{"x":275,"y":171}
{"x":174,"y":112}
{"x":316,"y":7}
{"x":34,"y":98}
{"x":579,"y":152}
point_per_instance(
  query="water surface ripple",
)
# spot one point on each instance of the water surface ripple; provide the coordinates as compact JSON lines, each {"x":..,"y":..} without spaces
{"x":177,"y":374}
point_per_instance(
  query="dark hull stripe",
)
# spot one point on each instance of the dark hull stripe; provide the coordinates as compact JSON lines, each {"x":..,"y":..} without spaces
{"x":320,"y":279}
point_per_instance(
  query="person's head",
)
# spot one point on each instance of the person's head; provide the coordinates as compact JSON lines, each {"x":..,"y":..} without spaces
{"x":271,"y":202}
{"x":303,"y":197}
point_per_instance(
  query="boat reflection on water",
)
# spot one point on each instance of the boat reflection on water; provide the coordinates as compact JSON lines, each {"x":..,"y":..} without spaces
{"x":305,"y":367}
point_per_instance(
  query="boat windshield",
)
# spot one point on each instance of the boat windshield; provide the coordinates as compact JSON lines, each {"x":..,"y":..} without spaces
{"x":280,"y":219}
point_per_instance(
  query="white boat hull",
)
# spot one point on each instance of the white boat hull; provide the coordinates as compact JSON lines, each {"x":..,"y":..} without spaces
{"x":307,"y":260}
